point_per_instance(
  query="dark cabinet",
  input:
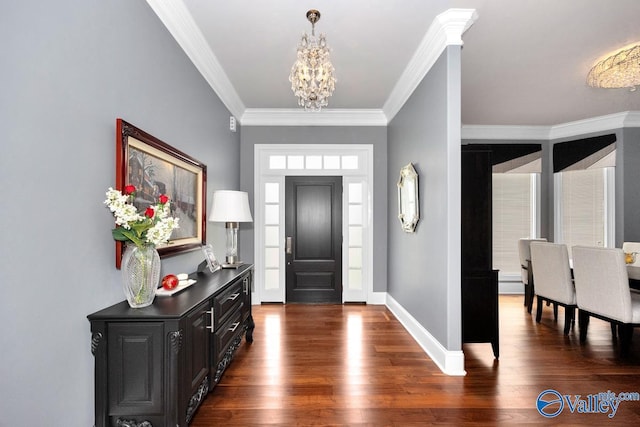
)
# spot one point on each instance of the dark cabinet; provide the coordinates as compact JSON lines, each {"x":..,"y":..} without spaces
{"x":197,"y":349}
{"x":480,"y":309}
{"x":156,"y":364}
{"x":132,"y":358}
{"x":479,"y":280}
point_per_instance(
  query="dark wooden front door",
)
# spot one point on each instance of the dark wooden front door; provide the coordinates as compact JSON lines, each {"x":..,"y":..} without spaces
{"x":313,"y":225}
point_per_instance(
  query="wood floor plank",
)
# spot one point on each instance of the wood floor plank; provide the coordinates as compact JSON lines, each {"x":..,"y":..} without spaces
{"x":346,"y":365}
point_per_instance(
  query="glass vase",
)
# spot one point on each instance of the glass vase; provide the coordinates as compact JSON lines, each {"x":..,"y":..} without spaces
{"x":140,"y":274}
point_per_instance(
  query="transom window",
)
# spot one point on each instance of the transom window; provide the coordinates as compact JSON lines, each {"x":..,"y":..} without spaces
{"x":313,"y":162}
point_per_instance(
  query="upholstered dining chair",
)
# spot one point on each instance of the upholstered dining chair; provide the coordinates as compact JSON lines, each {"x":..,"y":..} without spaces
{"x":602,"y":291}
{"x":554,"y":284}
{"x":524,"y":253}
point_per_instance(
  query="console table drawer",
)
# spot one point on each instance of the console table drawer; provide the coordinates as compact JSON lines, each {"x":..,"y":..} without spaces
{"x":227,"y":303}
{"x":225,"y":335}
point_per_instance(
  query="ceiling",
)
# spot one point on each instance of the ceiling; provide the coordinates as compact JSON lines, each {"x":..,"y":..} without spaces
{"x":523,"y":62}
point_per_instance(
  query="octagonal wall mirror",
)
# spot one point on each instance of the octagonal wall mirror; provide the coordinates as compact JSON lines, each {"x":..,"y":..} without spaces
{"x":408,"y":210}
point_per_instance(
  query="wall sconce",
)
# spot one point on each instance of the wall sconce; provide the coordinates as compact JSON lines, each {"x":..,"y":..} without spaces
{"x":232,"y":208}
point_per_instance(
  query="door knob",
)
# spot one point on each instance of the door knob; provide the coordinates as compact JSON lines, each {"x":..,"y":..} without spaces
{"x":289,"y":245}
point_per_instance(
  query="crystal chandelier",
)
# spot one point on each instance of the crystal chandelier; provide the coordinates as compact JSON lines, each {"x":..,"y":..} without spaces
{"x":312,"y":75}
{"x":621,"y":69}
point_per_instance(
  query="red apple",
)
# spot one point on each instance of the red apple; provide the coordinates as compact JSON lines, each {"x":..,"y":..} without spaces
{"x":170,"y":281}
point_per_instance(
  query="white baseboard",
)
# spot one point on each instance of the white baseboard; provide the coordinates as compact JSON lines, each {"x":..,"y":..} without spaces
{"x":377,"y":298}
{"x":449,"y":362}
{"x":505,"y":288}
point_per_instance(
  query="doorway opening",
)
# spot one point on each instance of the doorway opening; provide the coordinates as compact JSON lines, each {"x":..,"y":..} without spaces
{"x":350,"y":162}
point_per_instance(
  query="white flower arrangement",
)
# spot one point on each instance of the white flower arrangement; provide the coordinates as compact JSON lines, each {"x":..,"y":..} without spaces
{"x":154,"y":226}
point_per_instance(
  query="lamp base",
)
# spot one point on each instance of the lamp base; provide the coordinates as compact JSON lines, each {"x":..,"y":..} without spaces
{"x":234,"y":265}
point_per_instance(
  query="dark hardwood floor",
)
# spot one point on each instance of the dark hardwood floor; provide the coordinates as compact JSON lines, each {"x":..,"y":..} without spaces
{"x":356,"y":365}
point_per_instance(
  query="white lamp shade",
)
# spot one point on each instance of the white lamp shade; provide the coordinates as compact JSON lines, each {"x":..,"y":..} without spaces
{"x":230,"y":206}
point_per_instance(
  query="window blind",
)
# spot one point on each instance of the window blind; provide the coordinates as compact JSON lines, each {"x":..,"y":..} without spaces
{"x":583,"y":207}
{"x":512,"y":218}
{"x":515,"y":170}
{"x":582,"y":167}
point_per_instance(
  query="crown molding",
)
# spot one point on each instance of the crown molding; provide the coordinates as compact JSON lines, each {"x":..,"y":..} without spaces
{"x":446,"y":29}
{"x":626,"y":119}
{"x":596,"y":124}
{"x":299,"y":117}
{"x":176,"y":17}
{"x":504,"y":132}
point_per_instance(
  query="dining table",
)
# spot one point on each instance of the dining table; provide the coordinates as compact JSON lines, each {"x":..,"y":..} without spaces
{"x":633,"y":271}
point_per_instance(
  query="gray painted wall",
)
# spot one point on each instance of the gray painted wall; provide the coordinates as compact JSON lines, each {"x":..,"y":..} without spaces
{"x":422,"y":275}
{"x":70,"y":68}
{"x":630,"y":187}
{"x":377,"y":136}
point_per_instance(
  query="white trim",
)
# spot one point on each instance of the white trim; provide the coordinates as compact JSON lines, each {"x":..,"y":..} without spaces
{"x":596,"y":124}
{"x":557,"y":208}
{"x":626,"y":119}
{"x":536,"y":204}
{"x":176,"y":17}
{"x":510,"y":277}
{"x":377,"y":298}
{"x":264,"y":174}
{"x":504,"y":132}
{"x":449,"y":362}
{"x":632,"y":119}
{"x":446,"y":29}
{"x":506,"y":287}
{"x":609,"y":207}
{"x":326,"y":117}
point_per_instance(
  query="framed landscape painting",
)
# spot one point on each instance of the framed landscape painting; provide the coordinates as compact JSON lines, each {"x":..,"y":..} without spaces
{"x":154,"y":167}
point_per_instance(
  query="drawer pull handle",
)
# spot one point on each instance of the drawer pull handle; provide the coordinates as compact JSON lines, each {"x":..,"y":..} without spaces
{"x":234,"y":296}
{"x":234,"y":327}
{"x":210,"y":313}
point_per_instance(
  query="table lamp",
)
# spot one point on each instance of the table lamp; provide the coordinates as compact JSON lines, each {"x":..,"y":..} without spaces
{"x":232,"y":208}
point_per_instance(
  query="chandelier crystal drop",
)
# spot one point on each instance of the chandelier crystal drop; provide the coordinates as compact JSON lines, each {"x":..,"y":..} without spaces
{"x":312,"y":75}
{"x":619,"y":70}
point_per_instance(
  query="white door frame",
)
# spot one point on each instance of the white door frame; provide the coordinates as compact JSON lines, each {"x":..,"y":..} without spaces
{"x":272,"y":163}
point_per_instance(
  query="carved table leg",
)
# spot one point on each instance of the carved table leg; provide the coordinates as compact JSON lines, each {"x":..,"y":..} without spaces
{"x":250,"y":327}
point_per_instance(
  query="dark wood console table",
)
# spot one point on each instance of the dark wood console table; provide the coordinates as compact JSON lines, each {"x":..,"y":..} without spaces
{"x":155,"y":365}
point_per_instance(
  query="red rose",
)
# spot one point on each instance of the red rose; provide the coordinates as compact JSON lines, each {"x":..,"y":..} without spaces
{"x":149,"y":212}
{"x":163,"y":198}
{"x":129,"y":189}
